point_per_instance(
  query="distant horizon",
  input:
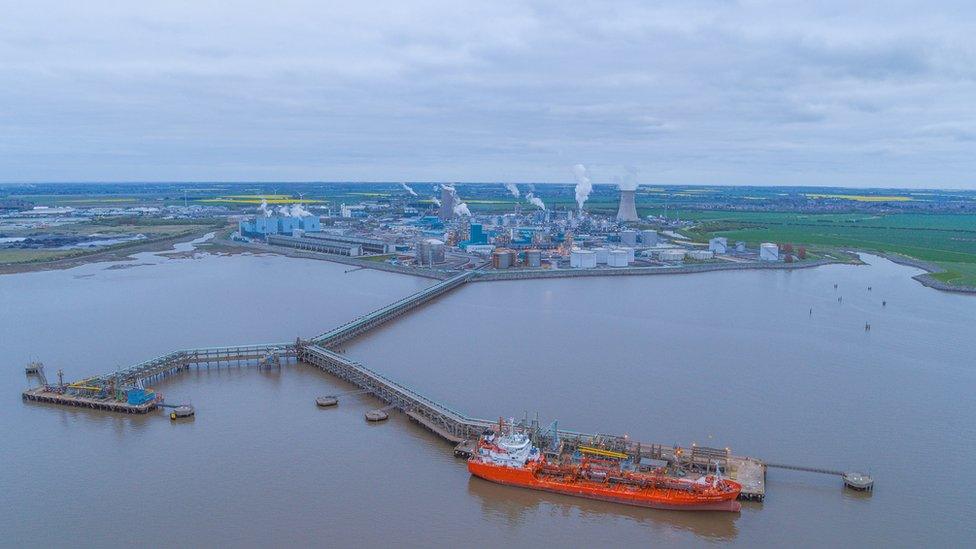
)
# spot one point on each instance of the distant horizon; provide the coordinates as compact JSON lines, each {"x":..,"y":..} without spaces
{"x":454,"y":182}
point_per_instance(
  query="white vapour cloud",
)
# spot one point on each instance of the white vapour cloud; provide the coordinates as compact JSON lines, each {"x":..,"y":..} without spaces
{"x":535,"y":200}
{"x":628,"y":181}
{"x":297,"y":210}
{"x":583,"y":185}
{"x":512,"y":189}
{"x":264,"y":207}
{"x":408,"y":189}
{"x":461,"y":209}
{"x":436,"y":200}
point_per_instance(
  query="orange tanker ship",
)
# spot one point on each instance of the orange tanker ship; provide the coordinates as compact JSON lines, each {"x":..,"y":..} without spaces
{"x":512,"y":459}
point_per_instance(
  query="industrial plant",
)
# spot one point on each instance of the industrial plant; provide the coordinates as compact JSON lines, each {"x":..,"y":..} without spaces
{"x":441,"y":234}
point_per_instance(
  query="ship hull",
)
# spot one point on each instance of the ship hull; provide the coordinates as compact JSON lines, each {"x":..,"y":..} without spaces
{"x":653,"y":499}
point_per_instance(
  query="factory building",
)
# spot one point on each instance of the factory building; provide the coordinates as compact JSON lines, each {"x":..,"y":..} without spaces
{"x":719,"y":245}
{"x":700,"y":255}
{"x":481,"y":249}
{"x":768,"y":252}
{"x":740,"y":246}
{"x":628,"y":238}
{"x":316,"y":245}
{"x":649,"y":238}
{"x":582,"y":259}
{"x":368,"y":245}
{"x":672,"y":255}
{"x":430,"y":251}
{"x":277,"y":224}
{"x":618,"y":258}
{"x":476,"y":237}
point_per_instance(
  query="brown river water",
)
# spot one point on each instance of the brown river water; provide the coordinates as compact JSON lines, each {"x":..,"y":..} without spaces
{"x":723,"y":359}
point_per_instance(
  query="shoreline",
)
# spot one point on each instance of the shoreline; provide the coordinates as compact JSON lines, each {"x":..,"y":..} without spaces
{"x":221,"y":245}
{"x":926,"y":279}
{"x":487,"y":276}
{"x":122,"y":252}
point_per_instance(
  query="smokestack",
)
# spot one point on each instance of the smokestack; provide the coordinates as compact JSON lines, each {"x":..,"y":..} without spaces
{"x":628,"y":207}
{"x":447,"y":203}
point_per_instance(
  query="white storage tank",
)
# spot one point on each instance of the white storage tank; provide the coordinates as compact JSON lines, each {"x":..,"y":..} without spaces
{"x":628,"y":238}
{"x":768,"y":252}
{"x":617,"y":258}
{"x":630,"y":254}
{"x":719,"y":244}
{"x":602,"y":255}
{"x":672,"y":255}
{"x":582,"y":259}
{"x":649,"y":237}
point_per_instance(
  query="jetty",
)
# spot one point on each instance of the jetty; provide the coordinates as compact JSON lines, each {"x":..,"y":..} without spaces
{"x":125,"y":391}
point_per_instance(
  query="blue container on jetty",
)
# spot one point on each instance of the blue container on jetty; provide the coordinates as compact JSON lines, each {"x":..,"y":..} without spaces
{"x":137,"y":396}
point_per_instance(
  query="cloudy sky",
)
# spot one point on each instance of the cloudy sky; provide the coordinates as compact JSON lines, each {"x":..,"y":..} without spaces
{"x":688,"y":92}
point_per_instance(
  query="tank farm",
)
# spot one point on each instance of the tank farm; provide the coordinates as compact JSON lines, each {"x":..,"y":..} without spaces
{"x":126,"y":391}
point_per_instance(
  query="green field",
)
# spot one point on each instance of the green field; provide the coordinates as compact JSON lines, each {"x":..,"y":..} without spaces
{"x":947,"y":240}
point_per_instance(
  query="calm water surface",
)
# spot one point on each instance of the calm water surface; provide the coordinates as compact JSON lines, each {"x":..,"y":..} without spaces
{"x":725,"y":359}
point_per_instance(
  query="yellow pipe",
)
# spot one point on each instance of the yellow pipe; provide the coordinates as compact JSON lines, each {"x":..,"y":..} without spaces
{"x":604,"y":453}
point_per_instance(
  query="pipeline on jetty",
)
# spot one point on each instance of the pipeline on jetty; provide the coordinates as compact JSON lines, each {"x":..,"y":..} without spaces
{"x":124,"y":391}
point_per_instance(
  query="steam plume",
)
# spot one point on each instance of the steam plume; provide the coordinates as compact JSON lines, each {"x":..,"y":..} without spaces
{"x":461,"y":209}
{"x":297,"y":210}
{"x":264,"y":207}
{"x":512,"y":189}
{"x":408,"y":189}
{"x":535,"y":200}
{"x":583,"y":185}
{"x":629,"y":180}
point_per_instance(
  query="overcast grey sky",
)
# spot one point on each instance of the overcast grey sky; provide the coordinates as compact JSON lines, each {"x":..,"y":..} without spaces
{"x":789,"y":93}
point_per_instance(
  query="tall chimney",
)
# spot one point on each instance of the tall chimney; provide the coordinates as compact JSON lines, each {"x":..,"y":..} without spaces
{"x":447,"y":205}
{"x":628,"y":207}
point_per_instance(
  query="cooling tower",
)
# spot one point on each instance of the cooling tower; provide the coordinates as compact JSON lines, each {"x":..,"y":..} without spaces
{"x":628,"y":206}
{"x":447,"y":205}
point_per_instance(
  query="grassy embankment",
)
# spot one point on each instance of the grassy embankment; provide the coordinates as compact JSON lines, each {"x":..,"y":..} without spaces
{"x":947,"y":240}
{"x":155,"y":230}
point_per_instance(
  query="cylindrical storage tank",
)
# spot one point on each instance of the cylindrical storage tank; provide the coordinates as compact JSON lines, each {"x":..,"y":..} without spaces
{"x":501,"y":259}
{"x":630,"y":254}
{"x":617,"y":258}
{"x":589,"y":260}
{"x":582,"y":259}
{"x":768,"y":252}
{"x":601,"y":255}
{"x":672,"y":255}
{"x":649,"y":237}
{"x":628,"y":238}
{"x":575,"y":258}
{"x":512,"y":258}
{"x":533,"y":259}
